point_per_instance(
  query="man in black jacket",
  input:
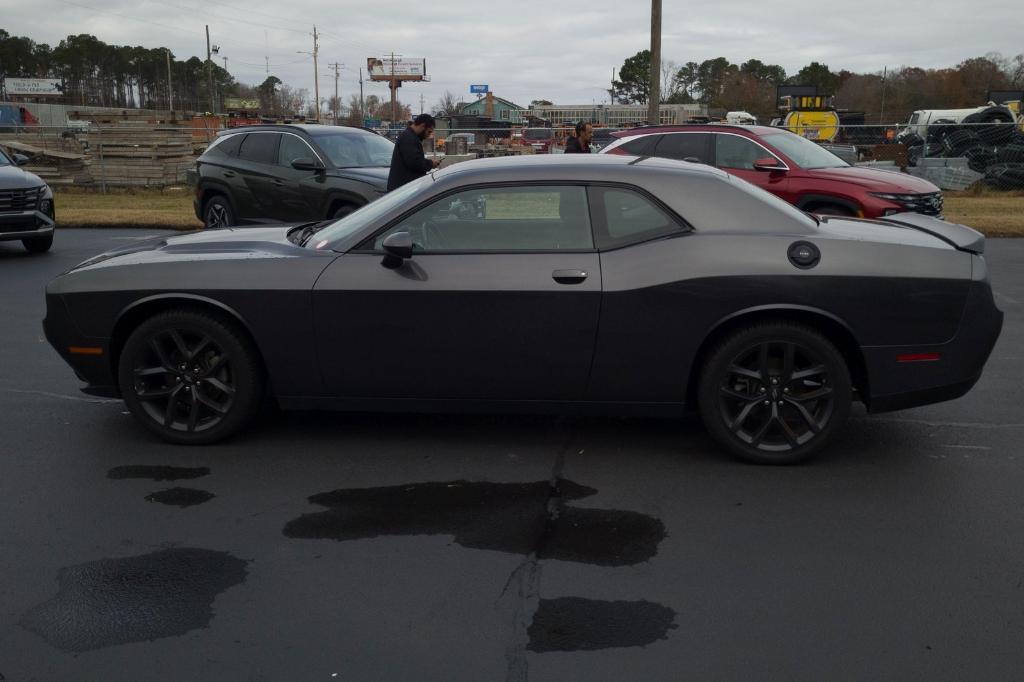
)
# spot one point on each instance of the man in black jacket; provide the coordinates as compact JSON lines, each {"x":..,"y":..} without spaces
{"x":581,"y":143}
{"x":408,"y":161}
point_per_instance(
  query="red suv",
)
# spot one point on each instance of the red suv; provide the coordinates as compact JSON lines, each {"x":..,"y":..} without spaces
{"x":787,"y":165}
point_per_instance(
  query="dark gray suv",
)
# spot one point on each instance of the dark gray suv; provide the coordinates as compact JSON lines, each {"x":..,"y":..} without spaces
{"x":289,"y":173}
{"x":26,"y":205}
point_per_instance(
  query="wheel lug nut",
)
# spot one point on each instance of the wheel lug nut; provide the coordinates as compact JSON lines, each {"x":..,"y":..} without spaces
{"x":780,"y":402}
{"x":767,"y":402}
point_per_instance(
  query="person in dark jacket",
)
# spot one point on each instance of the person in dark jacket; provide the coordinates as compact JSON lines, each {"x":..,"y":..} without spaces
{"x":408,"y":161}
{"x":581,"y":143}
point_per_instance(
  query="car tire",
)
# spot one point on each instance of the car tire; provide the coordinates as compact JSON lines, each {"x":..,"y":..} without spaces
{"x":344,"y":210}
{"x":775,"y":393}
{"x":217,"y":213}
{"x":191,"y":377}
{"x":38,"y":244}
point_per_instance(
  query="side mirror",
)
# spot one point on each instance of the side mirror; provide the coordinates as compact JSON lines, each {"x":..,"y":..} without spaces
{"x":397,"y":248}
{"x":768,"y":163}
{"x":20,"y":159}
{"x":307,"y":165}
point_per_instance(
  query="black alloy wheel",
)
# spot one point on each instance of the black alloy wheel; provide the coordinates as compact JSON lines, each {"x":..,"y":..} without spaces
{"x":190,"y":377}
{"x":218,"y":213}
{"x":775,"y":393}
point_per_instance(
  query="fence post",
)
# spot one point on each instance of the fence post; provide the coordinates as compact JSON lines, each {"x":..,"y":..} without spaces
{"x":103,"y":168}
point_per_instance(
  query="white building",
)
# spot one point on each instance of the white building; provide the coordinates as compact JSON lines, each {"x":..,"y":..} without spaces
{"x":615,"y":114}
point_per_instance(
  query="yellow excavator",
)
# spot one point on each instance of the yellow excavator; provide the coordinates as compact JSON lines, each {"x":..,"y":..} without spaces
{"x":810,"y":116}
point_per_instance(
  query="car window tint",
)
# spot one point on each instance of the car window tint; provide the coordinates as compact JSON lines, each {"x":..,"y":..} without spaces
{"x":292,"y":148}
{"x":259,"y":148}
{"x":630,"y":217}
{"x":684,"y":146}
{"x":733,"y":151}
{"x":642,"y":145}
{"x":501,"y":219}
{"x":226,"y":146}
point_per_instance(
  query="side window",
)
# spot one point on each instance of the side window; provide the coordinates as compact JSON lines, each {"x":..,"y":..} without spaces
{"x":259,"y":148}
{"x":530,"y":218}
{"x":628,"y":217}
{"x":733,"y":151}
{"x":225,"y":146}
{"x":292,"y":148}
{"x":641,"y":146}
{"x":685,"y":147}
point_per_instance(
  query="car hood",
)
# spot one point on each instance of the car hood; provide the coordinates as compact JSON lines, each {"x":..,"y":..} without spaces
{"x":906,"y":229}
{"x":227,"y":243}
{"x":875,"y":180}
{"x":13,"y":177}
{"x":372,"y":175}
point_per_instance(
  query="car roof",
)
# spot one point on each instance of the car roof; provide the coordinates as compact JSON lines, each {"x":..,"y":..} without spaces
{"x":573,"y":166}
{"x":308,"y":128}
{"x":695,"y":127}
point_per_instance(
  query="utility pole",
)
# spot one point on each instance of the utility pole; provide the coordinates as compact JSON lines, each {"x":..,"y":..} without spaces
{"x":362,"y":103}
{"x":316,"y":72}
{"x":209,"y":71}
{"x":225,"y":63}
{"x":654,"y":99}
{"x":337,"y":102}
{"x":170,"y":86}
{"x":421,"y":102}
{"x":613,"y":87}
{"x":881,"y":114}
{"x":394,"y":87}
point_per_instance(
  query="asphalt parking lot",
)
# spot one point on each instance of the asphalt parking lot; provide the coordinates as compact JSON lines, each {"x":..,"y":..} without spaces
{"x":402,"y":547}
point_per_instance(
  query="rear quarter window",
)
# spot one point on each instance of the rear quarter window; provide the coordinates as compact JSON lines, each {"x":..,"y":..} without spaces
{"x":226,"y":146}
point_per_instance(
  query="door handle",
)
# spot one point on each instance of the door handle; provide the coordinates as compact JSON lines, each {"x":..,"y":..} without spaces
{"x":569,"y":276}
{"x":229,"y":174}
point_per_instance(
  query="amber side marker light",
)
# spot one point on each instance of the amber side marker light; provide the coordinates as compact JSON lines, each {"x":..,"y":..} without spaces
{"x":85,"y":350}
{"x":919,"y":357}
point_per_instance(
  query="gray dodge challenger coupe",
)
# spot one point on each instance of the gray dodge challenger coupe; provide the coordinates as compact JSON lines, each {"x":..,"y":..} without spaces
{"x":616,"y":285}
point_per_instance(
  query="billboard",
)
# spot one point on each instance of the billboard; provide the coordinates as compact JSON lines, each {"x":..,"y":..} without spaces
{"x":399,"y":68}
{"x":479,"y":89}
{"x":238,"y":103}
{"x":34,"y":87}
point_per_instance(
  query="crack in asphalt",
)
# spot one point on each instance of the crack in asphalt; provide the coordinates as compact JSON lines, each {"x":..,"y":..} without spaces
{"x":521,"y":593}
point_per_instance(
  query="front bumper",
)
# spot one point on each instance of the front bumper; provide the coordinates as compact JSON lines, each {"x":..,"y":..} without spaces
{"x":89,"y":357}
{"x":24,"y":225}
{"x":895,"y":385}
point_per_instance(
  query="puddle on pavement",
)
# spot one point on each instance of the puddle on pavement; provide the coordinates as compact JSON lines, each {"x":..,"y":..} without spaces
{"x":157,"y":473}
{"x":576,"y":624}
{"x":180,"y":497}
{"x":506,"y":517}
{"x":116,"y":601}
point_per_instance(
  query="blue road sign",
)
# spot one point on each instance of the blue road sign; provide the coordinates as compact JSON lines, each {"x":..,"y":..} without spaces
{"x":479,"y":89}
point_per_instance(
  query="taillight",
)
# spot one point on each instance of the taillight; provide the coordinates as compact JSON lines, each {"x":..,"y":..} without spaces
{"x":919,"y":357}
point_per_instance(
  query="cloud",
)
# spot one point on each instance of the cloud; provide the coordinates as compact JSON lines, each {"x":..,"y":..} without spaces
{"x":564,"y":52}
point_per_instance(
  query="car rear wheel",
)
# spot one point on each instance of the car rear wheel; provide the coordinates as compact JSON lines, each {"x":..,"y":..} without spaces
{"x":190,"y":377}
{"x":38,"y":244}
{"x":775,"y":393}
{"x":218,"y":213}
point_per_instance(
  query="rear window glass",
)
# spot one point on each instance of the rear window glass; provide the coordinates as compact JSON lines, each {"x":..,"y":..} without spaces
{"x":631,"y":217}
{"x":641,"y":146}
{"x":225,"y":146}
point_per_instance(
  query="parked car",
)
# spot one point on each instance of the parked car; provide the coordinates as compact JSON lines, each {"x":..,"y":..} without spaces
{"x":579,"y":283}
{"x":26,"y":205}
{"x":787,"y":165}
{"x":282,"y":173}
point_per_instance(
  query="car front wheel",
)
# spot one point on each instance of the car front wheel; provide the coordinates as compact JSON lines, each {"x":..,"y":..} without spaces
{"x":190,"y":377}
{"x":38,"y":244}
{"x":218,"y":213}
{"x":775,"y":393}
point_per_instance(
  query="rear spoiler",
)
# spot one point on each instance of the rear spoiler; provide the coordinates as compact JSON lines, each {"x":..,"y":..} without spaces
{"x":960,"y":236}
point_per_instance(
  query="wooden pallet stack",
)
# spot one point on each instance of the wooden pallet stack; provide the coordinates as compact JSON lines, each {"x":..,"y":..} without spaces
{"x":140,"y":155}
{"x":57,"y":160}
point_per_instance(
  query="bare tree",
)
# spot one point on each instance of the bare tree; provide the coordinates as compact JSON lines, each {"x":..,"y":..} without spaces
{"x":669,"y":85}
{"x":449,"y":104}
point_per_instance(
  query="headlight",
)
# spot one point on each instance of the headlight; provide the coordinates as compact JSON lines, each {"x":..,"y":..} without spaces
{"x":900,"y":198}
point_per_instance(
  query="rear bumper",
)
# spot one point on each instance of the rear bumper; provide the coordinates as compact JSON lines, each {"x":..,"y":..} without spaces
{"x":16,"y":225}
{"x":89,"y":357}
{"x":898,"y":385}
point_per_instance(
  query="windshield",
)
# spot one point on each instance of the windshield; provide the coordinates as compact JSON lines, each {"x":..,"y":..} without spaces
{"x":355,"y":149}
{"x":4,"y":161}
{"x":803,"y":152}
{"x":538,"y":134}
{"x":367,"y":215}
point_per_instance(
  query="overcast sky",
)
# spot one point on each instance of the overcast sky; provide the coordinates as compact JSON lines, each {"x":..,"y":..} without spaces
{"x":562,"y":51}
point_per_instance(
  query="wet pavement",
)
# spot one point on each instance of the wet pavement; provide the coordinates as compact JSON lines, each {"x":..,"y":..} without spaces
{"x":404,"y":547}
